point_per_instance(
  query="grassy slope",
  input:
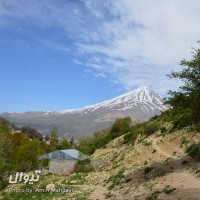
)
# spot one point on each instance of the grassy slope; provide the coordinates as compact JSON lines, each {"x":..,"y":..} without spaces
{"x":156,"y":167}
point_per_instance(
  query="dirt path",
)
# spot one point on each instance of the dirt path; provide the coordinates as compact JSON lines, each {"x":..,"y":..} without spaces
{"x":159,"y":150}
{"x":98,"y":193}
{"x":186,"y":183}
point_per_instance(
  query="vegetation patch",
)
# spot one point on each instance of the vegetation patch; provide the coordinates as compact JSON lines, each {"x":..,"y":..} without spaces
{"x":130,"y":137}
{"x":146,"y":162}
{"x":153,"y":196}
{"x":151,"y":127}
{"x":197,"y":171}
{"x":148,"y":169}
{"x":116,"y":179}
{"x":194,"y":150}
{"x":76,"y":179}
{"x":154,"y":151}
{"x":184,"y":162}
{"x":108,"y":195}
{"x":168,"y":190}
{"x":184,"y":141}
{"x":81,"y":167}
{"x":147,"y":143}
{"x":163,"y":129}
{"x":128,"y":179}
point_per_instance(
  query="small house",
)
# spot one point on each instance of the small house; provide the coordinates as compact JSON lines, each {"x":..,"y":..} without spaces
{"x":63,"y":161}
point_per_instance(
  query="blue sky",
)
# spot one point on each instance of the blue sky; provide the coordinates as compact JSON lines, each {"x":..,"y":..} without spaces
{"x":64,"y":54}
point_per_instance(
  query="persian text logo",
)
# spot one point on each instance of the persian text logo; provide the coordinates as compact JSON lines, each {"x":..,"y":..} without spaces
{"x":21,"y":177}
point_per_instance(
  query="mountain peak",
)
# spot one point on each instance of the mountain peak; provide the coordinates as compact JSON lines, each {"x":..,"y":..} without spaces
{"x":140,"y":94}
{"x":143,"y":88}
{"x":140,"y":104}
{"x":138,"y":90}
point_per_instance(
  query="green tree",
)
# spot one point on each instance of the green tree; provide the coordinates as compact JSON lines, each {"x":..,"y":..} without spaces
{"x":186,"y":101}
{"x":25,"y":157}
{"x":64,"y":144}
{"x":53,"y":139}
{"x":120,"y":127}
{"x":4,"y":128}
{"x":5,"y":145}
{"x":18,"y":139}
{"x":101,"y":134}
{"x":5,"y":150}
{"x":71,"y":142}
{"x":86,"y":140}
{"x":3,"y":169}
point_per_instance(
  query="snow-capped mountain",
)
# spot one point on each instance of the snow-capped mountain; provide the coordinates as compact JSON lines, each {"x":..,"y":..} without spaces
{"x":140,"y":104}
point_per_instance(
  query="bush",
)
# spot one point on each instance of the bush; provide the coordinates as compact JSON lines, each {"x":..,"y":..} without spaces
{"x":81,"y":167}
{"x":163,"y":129}
{"x":88,"y":150}
{"x":154,"y":151}
{"x":151,"y":127}
{"x":168,"y":190}
{"x":184,"y":162}
{"x":153,"y":196}
{"x":118,"y":142}
{"x":3,"y":178}
{"x":194,"y":150}
{"x":182,"y":119}
{"x":130,"y":137}
{"x":116,"y":179}
{"x":147,"y":143}
{"x":148,"y":169}
{"x":45,"y":162}
{"x":25,"y":157}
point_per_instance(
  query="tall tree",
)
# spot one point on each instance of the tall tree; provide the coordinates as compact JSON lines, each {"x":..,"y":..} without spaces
{"x":53,"y":139}
{"x":64,"y":144}
{"x":186,"y":101}
{"x":5,"y":145}
{"x":71,"y":142}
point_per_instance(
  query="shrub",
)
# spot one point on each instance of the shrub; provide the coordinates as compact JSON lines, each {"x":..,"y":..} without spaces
{"x":153,"y":196}
{"x":148,"y":169}
{"x":108,"y":195}
{"x":197,"y":171}
{"x":147,"y":143}
{"x":185,"y":162}
{"x":76,"y":179}
{"x":145,"y":162}
{"x":3,"y":178}
{"x":83,"y":167}
{"x":168,"y":190}
{"x":88,"y":150}
{"x":194,"y":150}
{"x":154,"y":151}
{"x":182,"y":119}
{"x":118,"y":142}
{"x":44,"y":162}
{"x":184,"y":141}
{"x":128,"y":179}
{"x":25,"y":157}
{"x":116,"y":179}
{"x":151,"y":128}
{"x":130,"y":137}
{"x":163,"y":129}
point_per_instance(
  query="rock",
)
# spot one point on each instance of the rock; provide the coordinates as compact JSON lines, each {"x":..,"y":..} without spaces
{"x":50,"y":187}
{"x":74,"y":181}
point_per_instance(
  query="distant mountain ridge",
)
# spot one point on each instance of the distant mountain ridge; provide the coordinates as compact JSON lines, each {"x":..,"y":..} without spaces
{"x":140,"y":104}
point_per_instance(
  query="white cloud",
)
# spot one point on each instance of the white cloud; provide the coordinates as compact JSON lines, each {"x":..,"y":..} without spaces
{"x":149,"y":38}
{"x":131,"y":42}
